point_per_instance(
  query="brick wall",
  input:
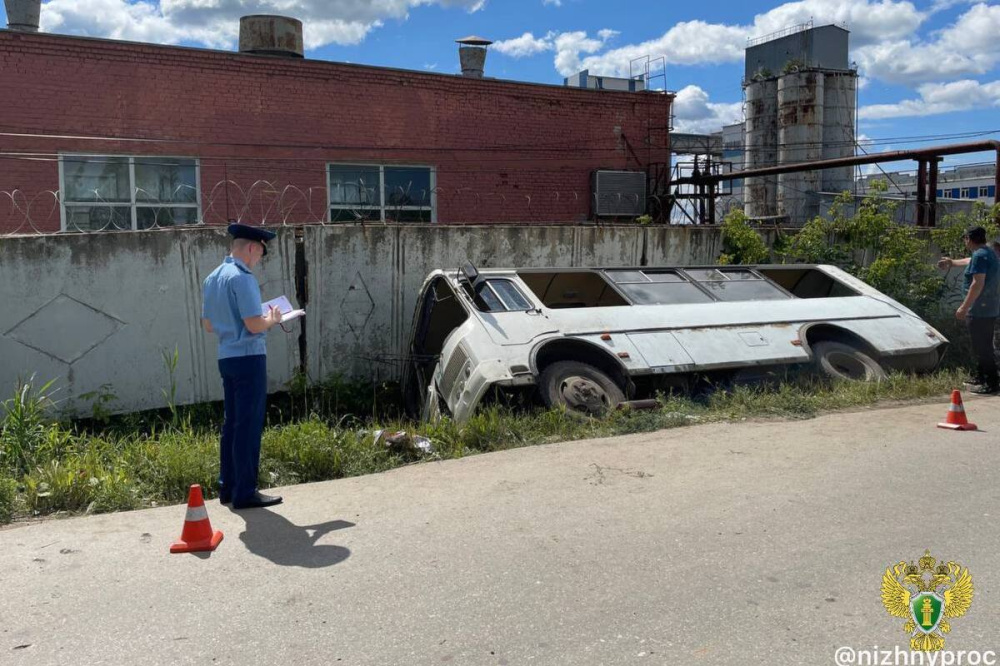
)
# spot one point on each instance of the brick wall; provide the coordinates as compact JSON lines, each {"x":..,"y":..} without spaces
{"x":277,"y":122}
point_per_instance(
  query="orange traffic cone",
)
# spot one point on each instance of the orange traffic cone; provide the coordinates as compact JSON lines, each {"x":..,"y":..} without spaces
{"x":197,"y":535}
{"x":956,"y":415}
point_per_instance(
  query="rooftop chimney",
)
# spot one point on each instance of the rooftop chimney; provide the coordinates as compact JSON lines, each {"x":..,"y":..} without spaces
{"x":472,"y":54}
{"x":22,"y":15}
{"x":263,"y":34}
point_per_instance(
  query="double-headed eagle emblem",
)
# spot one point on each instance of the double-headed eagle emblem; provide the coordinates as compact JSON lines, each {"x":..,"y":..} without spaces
{"x":927,"y":595}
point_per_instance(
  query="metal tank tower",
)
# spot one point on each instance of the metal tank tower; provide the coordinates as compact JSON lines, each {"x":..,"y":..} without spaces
{"x":801,"y":97}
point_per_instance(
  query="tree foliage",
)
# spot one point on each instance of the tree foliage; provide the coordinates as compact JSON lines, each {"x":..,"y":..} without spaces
{"x":741,"y":243}
{"x":866,"y":241}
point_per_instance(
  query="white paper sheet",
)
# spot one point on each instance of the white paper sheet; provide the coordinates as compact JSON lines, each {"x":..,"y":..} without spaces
{"x":284,"y":306}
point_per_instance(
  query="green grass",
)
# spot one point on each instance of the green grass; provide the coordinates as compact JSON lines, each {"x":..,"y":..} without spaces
{"x":8,"y":497}
{"x":146,"y":460}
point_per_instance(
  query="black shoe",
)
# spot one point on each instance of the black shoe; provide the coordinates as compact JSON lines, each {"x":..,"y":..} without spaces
{"x":225,"y":498}
{"x":257,"y":500}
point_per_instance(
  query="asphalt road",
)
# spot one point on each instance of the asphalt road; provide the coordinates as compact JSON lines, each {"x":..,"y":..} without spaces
{"x":719,"y":544}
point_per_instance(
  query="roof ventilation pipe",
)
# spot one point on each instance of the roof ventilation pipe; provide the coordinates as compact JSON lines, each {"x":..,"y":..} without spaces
{"x":472,"y":55}
{"x":263,"y":34}
{"x":22,"y":15}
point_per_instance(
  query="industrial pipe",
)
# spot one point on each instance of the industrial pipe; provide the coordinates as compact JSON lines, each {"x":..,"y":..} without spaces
{"x":859,"y":160}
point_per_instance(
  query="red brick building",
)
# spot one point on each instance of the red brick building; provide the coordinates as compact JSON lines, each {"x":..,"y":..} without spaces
{"x":135,"y":135}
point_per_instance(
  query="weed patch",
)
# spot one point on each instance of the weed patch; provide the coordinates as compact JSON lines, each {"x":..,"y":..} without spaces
{"x":8,"y":495}
{"x":52,"y":467}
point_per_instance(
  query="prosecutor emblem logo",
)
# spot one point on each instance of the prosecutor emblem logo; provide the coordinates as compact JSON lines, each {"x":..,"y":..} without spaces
{"x":928,"y":595}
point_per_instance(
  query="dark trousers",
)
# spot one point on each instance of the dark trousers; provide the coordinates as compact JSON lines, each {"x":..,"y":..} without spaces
{"x":981,"y":332}
{"x":244,"y":384}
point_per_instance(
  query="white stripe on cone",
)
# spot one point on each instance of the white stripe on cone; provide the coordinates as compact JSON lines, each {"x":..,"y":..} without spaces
{"x":196,"y":513}
{"x":956,"y":408}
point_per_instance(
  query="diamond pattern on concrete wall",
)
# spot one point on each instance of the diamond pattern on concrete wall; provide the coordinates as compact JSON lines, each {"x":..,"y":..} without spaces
{"x":65,"y":329}
{"x":357,"y":306}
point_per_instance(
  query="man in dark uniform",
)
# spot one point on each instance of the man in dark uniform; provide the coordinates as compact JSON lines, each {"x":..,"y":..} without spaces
{"x":231,"y":310}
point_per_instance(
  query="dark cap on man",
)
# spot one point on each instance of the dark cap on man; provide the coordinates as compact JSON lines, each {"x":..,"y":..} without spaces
{"x":237,"y":230}
{"x":976,"y":235}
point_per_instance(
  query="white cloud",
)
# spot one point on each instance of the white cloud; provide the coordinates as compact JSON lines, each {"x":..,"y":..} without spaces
{"x":695,"y":113}
{"x":568,"y":46}
{"x":906,"y":63}
{"x":700,"y":42}
{"x":525,"y":45}
{"x":941,"y":5}
{"x":938,"y":98}
{"x":554,"y":3}
{"x":215,"y":23}
{"x":688,"y":43}
{"x":968,"y":47}
{"x":869,"y":21}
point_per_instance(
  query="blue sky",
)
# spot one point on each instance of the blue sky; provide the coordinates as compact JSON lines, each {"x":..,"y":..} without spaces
{"x":929,"y":67}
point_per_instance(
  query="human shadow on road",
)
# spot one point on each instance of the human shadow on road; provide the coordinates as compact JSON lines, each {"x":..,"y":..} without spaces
{"x":275,"y":538}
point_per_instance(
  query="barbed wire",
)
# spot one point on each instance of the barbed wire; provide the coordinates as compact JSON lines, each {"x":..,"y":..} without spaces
{"x":273,"y":204}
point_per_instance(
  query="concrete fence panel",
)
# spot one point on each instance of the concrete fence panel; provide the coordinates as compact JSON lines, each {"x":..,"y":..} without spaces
{"x":98,"y":311}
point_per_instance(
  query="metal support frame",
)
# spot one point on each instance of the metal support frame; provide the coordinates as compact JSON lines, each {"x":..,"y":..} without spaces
{"x":996,"y":183}
{"x":921,"y":193}
{"x":932,"y":183}
{"x":710,"y":191}
{"x":928,"y":160}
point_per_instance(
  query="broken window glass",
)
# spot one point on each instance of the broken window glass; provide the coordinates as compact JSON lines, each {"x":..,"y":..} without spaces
{"x":745,"y":290}
{"x":665,"y":293}
{"x":736,"y":284}
{"x":500,"y":296}
{"x":572,"y":289}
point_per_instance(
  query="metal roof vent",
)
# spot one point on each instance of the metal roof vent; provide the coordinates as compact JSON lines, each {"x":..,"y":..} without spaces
{"x":472,"y":55}
{"x":22,"y":15}
{"x":263,"y":34}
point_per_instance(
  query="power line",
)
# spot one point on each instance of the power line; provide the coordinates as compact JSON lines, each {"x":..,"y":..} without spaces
{"x":562,"y":145}
{"x":320,"y":167}
{"x":574,"y":145}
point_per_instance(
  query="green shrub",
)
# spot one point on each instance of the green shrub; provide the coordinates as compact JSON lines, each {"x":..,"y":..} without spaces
{"x":85,"y":472}
{"x":59,"y":486}
{"x":740,"y":242}
{"x":8,"y":496}
{"x":302,"y":452}
{"x":493,"y":429}
{"x":25,"y":425}
{"x":165,"y":466}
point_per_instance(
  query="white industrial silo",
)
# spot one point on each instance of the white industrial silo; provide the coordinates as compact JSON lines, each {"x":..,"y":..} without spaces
{"x":800,"y":107}
{"x":800,"y":139}
{"x":839,"y":105}
{"x":760,"y":195}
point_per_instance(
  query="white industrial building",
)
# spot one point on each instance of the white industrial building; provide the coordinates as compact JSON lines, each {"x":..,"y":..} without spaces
{"x":975,"y":183}
{"x":800,"y":106}
{"x":801,"y":101}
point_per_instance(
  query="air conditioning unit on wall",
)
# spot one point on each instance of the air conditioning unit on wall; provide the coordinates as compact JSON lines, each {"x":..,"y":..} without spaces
{"x":619,"y":193}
